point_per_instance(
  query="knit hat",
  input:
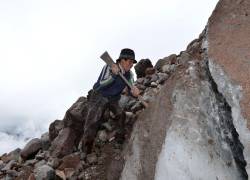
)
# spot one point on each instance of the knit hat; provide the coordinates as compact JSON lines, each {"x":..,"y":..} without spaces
{"x":127,"y":54}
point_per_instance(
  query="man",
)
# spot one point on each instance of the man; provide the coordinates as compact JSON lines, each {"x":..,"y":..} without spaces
{"x":106,"y":93}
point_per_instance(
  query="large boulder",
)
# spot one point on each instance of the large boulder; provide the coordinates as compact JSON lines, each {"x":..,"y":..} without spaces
{"x":75,"y":117}
{"x":228,"y":46}
{"x":188,"y":123}
{"x":142,"y":66}
{"x":64,"y":143}
{"x":68,"y":138}
{"x":31,"y":148}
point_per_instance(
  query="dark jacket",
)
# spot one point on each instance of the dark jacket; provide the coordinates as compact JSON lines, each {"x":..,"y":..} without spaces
{"x":110,"y":85}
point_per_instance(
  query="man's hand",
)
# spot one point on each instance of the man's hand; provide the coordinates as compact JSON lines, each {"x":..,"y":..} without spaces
{"x":135,"y":91}
{"x":115,"y":69}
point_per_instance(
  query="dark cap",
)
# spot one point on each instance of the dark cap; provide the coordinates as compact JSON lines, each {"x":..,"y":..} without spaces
{"x":127,"y":54}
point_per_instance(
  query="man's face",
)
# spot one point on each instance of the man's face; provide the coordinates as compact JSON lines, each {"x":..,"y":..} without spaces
{"x":127,"y":64}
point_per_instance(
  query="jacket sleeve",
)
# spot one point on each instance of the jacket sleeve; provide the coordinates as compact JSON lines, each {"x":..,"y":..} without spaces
{"x":106,"y":77}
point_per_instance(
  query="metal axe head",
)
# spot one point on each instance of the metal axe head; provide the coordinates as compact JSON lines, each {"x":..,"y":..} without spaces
{"x":107,"y":59}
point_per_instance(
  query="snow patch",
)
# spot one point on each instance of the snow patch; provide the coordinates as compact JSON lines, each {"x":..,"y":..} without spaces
{"x":233,"y":95}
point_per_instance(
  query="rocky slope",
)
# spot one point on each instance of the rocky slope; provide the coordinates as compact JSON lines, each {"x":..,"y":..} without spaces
{"x":195,"y":127}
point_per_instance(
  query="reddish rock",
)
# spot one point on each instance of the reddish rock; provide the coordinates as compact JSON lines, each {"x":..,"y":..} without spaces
{"x":229,"y":44}
{"x":75,"y":117}
{"x":70,"y":161}
{"x":63,"y":144}
{"x":25,"y":173}
{"x":31,"y":148}
{"x":32,"y":177}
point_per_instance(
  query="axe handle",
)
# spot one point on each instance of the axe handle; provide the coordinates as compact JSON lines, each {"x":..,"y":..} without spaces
{"x":125,"y":80}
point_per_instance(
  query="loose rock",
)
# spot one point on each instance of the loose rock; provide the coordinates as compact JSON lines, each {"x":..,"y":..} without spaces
{"x":44,"y":172}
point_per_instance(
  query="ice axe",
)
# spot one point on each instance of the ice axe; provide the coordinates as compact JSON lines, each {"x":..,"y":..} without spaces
{"x":109,"y":61}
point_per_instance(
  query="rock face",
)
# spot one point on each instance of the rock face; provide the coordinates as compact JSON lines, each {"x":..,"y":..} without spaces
{"x":228,"y":50}
{"x":228,"y":40}
{"x":194,"y":131}
{"x":195,"y":127}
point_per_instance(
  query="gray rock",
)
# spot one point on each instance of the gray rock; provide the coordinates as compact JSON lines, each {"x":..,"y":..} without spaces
{"x":141,"y":87}
{"x":83,"y":155}
{"x":9,"y":165}
{"x":162,"y":78}
{"x":147,"y":98}
{"x":147,"y":81}
{"x":53,"y":162}
{"x":39,"y":157}
{"x":184,"y":57}
{"x":40,"y":163}
{"x":124,"y":101}
{"x":154,"y":78}
{"x":166,"y":69}
{"x":140,"y":80}
{"x":2,"y":164}
{"x":172,"y":67}
{"x":44,"y":172}
{"x":131,"y":103}
{"x":137,"y":107}
{"x":12,"y":173}
{"x":14,"y":155}
{"x":30,"y":162}
{"x":8,"y":177}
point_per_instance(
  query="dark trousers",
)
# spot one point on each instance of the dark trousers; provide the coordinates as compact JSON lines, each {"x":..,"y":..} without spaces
{"x":97,"y":106}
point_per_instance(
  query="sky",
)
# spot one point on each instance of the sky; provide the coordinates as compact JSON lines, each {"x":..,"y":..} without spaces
{"x":50,"y":49}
